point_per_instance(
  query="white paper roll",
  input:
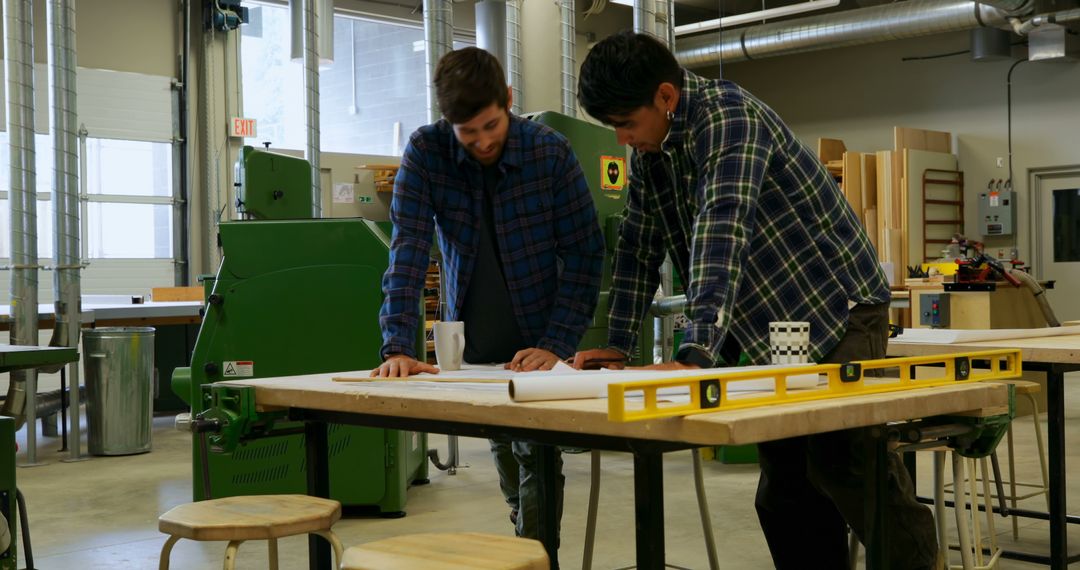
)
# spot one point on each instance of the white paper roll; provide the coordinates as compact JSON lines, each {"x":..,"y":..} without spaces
{"x":581,"y":385}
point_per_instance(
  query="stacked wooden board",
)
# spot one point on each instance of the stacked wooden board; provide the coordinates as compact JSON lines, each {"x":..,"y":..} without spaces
{"x":886,"y":188}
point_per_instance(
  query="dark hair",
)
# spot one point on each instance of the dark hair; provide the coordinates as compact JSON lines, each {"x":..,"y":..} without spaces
{"x":622,"y":72}
{"x":467,"y":81}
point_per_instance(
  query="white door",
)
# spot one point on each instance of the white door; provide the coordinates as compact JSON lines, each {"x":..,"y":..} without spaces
{"x":1056,"y":229}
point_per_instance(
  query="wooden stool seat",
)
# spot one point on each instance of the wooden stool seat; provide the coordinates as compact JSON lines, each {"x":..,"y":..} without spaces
{"x":1023,"y":386}
{"x":258,"y":517}
{"x":448,"y":551}
{"x":255,"y":517}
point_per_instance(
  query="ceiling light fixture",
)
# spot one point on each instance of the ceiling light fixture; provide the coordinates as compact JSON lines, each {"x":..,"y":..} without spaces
{"x":739,"y":19}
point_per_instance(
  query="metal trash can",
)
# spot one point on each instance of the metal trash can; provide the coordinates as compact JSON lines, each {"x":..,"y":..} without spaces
{"x":119,"y":366}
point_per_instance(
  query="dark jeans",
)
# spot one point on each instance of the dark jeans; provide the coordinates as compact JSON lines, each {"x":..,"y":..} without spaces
{"x":519,"y":482}
{"x":811,"y":488}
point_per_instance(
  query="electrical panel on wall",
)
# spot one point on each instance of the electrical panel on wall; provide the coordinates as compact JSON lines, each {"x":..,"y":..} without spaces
{"x":997,"y":211}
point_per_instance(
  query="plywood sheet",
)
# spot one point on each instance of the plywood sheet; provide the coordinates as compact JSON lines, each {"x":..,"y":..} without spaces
{"x":883,"y":169}
{"x":830,"y":149}
{"x":852,"y":181}
{"x":870,"y":219}
{"x":869,"y":180}
{"x":916,"y":162}
{"x":921,"y":139}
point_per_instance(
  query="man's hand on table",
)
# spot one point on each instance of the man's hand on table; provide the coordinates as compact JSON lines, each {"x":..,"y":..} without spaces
{"x":673,"y":365}
{"x":401,"y":366}
{"x":532,"y":359}
{"x":599,"y":358}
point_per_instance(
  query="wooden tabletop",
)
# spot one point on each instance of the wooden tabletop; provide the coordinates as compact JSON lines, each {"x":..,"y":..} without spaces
{"x":493,"y":407}
{"x":1052,"y":349}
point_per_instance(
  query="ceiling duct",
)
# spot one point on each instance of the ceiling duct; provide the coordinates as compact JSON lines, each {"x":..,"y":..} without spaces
{"x":910,"y":19}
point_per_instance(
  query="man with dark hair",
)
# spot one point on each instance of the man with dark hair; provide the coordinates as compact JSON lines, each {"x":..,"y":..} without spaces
{"x":521,"y":245}
{"x":759,"y":232}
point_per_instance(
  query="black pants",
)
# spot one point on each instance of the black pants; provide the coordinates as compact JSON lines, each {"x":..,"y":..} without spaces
{"x":812,"y":488}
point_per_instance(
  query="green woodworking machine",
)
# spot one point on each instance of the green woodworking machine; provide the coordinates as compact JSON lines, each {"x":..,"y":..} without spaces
{"x":293,"y":296}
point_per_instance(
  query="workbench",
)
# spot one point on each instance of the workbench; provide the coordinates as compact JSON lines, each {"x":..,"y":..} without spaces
{"x":455,"y":410}
{"x":1053,"y":356}
{"x":117,"y":314}
{"x":14,"y":357}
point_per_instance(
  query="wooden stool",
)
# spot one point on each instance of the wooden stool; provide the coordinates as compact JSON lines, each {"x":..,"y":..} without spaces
{"x":255,"y":517}
{"x":1027,"y":389}
{"x":448,"y":551}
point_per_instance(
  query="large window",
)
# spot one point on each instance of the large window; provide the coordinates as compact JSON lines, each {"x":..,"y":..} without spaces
{"x":372,"y":97}
{"x":127,"y":211}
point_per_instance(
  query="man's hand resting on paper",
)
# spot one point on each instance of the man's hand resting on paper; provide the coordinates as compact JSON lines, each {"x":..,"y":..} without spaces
{"x":531,"y":359}
{"x":673,"y":365}
{"x":401,"y":366}
{"x":599,"y":358}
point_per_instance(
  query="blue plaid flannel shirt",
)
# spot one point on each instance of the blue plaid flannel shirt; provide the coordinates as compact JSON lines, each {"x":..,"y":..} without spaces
{"x":549,"y":238}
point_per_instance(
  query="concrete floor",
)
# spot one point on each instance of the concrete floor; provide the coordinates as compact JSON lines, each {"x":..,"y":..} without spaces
{"x":102,"y":513}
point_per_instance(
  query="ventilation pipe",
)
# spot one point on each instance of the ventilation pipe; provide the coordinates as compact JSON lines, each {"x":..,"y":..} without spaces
{"x":567,"y":26}
{"x":913,"y":18}
{"x":491,"y":28}
{"x":66,"y":280}
{"x":22,"y":389}
{"x":439,"y":41}
{"x":645,"y":17}
{"x":513,"y":54}
{"x":665,"y":21}
{"x":311,"y":102}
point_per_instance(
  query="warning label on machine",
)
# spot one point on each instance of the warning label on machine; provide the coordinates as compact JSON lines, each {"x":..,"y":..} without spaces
{"x":238,"y":368}
{"x":612,"y":172}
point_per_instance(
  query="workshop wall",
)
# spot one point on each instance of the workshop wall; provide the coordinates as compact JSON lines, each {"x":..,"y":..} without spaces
{"x":859,"y":94}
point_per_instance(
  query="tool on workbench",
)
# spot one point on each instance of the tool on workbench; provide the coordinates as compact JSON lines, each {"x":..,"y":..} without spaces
{"x":711,"y":393}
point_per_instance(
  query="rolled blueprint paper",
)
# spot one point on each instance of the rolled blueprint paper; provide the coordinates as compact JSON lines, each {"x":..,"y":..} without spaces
{"x":581,"y":385}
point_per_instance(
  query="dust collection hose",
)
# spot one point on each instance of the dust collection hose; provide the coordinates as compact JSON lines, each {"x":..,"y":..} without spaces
{"x":1040,"y":295}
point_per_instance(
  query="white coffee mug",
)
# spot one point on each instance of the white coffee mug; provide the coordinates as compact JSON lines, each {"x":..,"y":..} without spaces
{"x":449,"y":344}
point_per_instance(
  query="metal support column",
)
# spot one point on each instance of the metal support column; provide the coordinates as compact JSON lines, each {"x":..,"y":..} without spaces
{"x":649,"y":509}
{"x":548,"y":468}
{"x":318,"y":483}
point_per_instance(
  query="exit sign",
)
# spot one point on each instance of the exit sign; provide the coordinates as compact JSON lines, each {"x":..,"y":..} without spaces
{"x":242,"y":128}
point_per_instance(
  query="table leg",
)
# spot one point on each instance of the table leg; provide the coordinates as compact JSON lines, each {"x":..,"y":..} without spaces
{"x":1055,"y":403}
{"x":318,"y":485}
{"x":877,"y":452}
{"x":649,"y":509}
{"x":548,"y":474}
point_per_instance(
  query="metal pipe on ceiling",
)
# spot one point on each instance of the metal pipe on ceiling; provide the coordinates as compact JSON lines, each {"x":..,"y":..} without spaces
{"x":19,"y":31}
{"x":311,"y":101}
{"x":491,"y":28}
{"x":913,"y":18}
{"x":66,"y":279}
{"x":567,"y":31}
{"x":513,"y":55}
{"x":438,"y":41}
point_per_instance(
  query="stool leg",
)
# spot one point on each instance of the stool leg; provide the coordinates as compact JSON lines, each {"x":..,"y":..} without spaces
{"x":960,"y":506}
{"x":988,"y":500}
{"x":230,"y":554}
{"x":334,"y":543}
{"x":166,"y":551}
{"x":272,"y":545}
{"x":590,"y":518}
{"x":1041,"y":447}
{"x":939,"y":505}
{"x":976,"y":529}
{"x":1012,"y":481}
{"x":853,"y":550}
{"x":703,"y":509}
